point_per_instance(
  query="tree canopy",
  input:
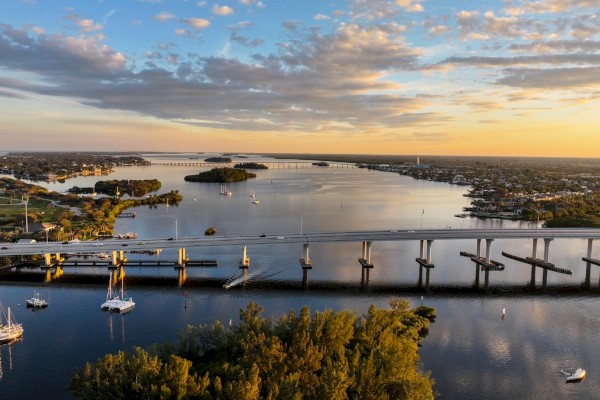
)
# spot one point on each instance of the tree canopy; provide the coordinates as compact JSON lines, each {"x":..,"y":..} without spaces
{"x":221,"y":175}
{"x":327,"y":355}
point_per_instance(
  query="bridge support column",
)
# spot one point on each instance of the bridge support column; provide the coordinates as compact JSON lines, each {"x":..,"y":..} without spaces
{"x":365,"y":261}
{"x":425,"y":261}
{"x":488,"y":250}
{"x":533,"y":267}
{"x":429,"y":262}
{"x":588,"y":265}
{"x":245,"y":260}
{"x":52,"y":266}
{"x":305,"y":262}
{"x":421,"y":257}
{"x":477,"y":266}
{"x":306,"y":265}
{"x":546,"y":255}
{"x":182,"y":258}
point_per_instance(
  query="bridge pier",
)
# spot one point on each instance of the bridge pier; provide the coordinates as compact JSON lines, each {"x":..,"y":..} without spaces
{"x":546,"y":255}
{"x":305,"y":262}
{"x":589,"y":262}
{"x":533,"y":266}
{"x":425,"y":262}
{"x":306,"y":265}
{"x":536,"y":262}
{"x":245,"y":260}
{"x":365,"y":261}
{"x":182,"y":258}
{"x":484,"y":264}
{"x":52,"y":266}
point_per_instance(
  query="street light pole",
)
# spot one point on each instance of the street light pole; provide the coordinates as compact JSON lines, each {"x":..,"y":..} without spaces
{"x":26,"y":219}
{"x":175,"y":229}
{"x":301,"y":225}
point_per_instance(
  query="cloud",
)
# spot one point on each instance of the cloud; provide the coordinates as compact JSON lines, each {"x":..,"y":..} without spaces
{"x":336,"y":80}
{"x":410,"y":5}
{"x":555,"y":78}
{"x":197,"y":23}
{"x":164,"y":16}
{"x":222,"y":10}
{"x":88,"y":25}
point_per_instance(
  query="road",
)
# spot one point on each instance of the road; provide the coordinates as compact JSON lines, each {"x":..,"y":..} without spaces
{"x":12,"y":249}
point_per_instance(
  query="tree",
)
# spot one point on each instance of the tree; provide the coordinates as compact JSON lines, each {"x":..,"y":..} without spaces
{"x":328,"y":355}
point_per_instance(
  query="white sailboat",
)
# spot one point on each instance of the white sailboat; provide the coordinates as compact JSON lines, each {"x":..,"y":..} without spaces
{"x":225,"y":192}
{"x":117,"y":303}
{"x":254,"y":199}
{"x":9,"y":329}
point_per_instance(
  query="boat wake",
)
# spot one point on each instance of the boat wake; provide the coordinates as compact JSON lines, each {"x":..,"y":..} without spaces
{"x":237,"y":279}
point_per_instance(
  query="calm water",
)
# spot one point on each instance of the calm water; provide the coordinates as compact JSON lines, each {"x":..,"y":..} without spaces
{"x":471,"y":351}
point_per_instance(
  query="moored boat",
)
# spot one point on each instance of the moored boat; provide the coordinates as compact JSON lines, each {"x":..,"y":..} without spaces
{"x":117,"y":303}
{"x":36,"y":302}
{"x":9,"y":329}
{"x":576,"y":376}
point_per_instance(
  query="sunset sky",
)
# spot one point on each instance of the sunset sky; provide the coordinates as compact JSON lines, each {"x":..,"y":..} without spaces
{"x":513,"y":77}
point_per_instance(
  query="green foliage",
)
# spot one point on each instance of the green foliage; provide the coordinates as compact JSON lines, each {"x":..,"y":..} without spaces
{"x":218,"y":159}
{"x":211,"y":230}
{"x":221,"y":175}
{"x":136,"y":187}
{"x":575,"y":221}
{"x":250,"y":165}
{"x":328,"y":355}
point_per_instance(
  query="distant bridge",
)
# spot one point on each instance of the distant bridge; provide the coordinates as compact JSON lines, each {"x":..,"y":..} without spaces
{"x":270,"y":164}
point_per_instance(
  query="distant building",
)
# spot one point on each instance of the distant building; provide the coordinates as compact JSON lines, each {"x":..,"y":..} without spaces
{"x":418,"y":165}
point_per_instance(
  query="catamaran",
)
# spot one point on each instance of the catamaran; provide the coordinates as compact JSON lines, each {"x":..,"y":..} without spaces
{"x":9,"y":330}
{"x":117,"y":303}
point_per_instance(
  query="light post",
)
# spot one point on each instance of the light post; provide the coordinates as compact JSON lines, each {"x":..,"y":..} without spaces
{"x":422,"y":212}
{"x":301,"y":225}
{"x":175,"y":229}
{"x":26,"y":201}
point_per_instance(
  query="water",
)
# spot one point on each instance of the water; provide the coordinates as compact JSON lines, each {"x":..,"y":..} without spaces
{"x":471,"y":350}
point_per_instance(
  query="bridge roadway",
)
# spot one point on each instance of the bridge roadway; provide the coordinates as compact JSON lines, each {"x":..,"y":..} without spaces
{"x":12,"y":249}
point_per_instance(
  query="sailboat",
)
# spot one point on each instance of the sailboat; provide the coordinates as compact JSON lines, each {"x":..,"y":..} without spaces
{"x":225,"y":192}
{"x":117,"y":303}
{"x":9,"y":330}
{"x":254,"y":199}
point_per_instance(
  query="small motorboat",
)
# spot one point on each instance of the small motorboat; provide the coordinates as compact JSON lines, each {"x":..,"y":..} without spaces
{"x":36,"y":302}
{"x":576,"y":376}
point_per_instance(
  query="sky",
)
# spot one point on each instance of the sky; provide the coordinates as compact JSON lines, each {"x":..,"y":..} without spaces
{"x":430,"y":77}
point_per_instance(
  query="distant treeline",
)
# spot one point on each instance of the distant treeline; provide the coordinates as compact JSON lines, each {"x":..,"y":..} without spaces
{"x":250,"y":165}
{"x":136,"y":187}
{"x":221,"y":175}
{"x":218,"y":159}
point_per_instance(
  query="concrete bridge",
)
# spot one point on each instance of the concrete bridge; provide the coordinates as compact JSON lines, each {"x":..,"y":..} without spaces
{"x":270,"y":164}
{"x":54,"y":261}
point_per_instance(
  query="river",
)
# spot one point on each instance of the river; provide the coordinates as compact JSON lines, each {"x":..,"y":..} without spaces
{"x":473,"y":351}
